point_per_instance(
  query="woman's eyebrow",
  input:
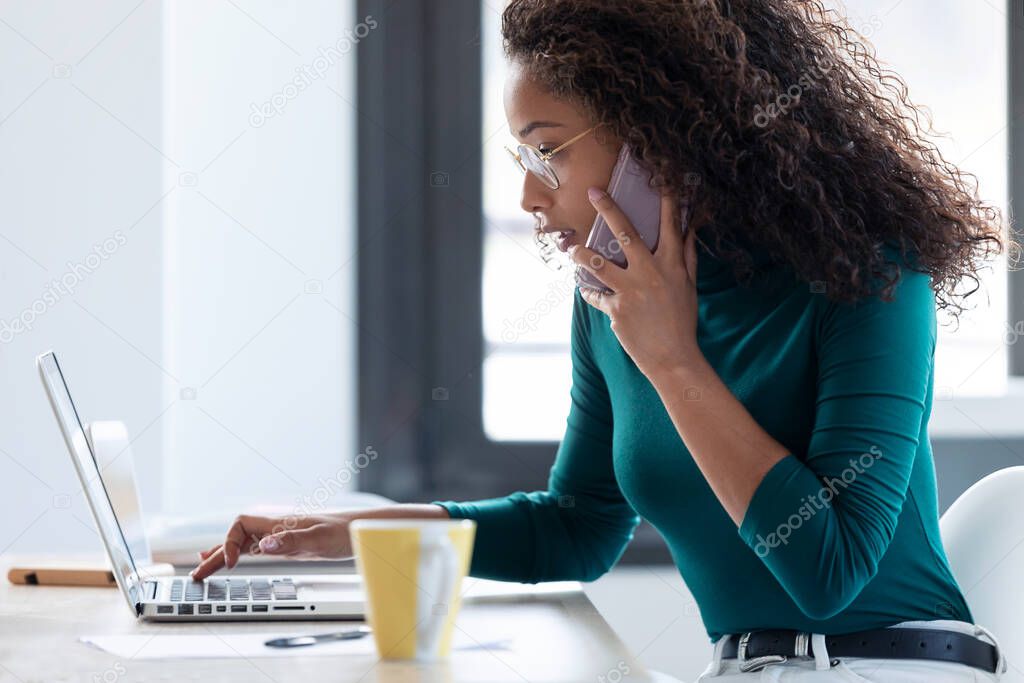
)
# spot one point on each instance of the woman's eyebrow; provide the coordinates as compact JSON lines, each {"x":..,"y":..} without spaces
{"x":533,"y":125}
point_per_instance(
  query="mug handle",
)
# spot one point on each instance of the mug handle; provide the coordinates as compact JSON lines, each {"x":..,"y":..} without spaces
{"x":440,"y":553}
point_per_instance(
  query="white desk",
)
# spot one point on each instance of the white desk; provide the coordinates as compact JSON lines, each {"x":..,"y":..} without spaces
{"x":557,"y":637}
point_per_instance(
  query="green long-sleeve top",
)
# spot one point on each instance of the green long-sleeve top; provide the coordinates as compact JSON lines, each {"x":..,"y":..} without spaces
{"x":841,"y":534}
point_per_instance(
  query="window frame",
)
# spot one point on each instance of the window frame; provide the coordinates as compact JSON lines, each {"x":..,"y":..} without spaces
{"x":1015,"y":167}
{"x":421,"y":343}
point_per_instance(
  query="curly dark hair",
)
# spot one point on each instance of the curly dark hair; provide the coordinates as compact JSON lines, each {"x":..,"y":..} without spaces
{"x":775,"y":122}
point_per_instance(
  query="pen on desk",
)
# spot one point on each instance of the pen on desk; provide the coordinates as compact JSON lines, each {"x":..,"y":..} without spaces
{"x":300,"y":641}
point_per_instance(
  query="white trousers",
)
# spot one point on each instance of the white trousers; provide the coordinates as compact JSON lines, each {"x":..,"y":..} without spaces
{"x":860,"y":669}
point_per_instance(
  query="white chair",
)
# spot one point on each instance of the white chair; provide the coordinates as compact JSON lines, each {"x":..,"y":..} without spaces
{"x":983,"y":534}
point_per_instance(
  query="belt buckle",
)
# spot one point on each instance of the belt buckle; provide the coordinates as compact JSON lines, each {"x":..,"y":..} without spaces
{"x":757,"y":663}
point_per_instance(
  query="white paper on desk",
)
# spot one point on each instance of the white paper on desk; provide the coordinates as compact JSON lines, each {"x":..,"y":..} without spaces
{"x":245,"y":645}
{"x":198,"y":646}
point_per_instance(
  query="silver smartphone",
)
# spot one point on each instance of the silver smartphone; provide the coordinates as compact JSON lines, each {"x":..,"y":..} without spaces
{"x":630,"y":189}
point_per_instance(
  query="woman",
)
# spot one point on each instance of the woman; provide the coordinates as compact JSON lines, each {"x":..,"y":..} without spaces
{"x":759,"y":387}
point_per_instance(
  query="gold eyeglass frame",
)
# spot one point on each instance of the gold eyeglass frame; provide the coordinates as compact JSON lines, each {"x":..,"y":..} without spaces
{"x":545,"y":158}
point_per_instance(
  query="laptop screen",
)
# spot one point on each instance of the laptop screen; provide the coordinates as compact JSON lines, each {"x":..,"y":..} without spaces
{"x":92,"y":484}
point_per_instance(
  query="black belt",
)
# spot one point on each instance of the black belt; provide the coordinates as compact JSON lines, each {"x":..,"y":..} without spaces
{"x":760,"y":648}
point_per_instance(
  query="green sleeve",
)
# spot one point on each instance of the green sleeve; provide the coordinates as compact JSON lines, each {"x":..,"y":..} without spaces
{"x":822,"y":522}
{"x":579,"y":527}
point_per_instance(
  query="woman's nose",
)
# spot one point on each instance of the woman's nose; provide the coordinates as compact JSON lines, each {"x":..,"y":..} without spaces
{"x":536,"y":195}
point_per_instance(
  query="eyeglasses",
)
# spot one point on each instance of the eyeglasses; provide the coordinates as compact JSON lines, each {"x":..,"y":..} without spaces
{"x":529,"y":158}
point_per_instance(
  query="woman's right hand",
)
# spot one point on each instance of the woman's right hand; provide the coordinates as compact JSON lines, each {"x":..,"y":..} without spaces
{"x":308,"y":538}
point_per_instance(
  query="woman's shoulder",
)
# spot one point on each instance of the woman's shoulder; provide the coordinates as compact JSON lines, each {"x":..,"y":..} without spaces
{"x":900,"y":303}
{"x":901,"y":282}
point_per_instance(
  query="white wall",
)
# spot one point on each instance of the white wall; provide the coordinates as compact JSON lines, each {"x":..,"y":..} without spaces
{"x":79,"y":116}
{"x":130,"y":122}
{"x":259,"y":250}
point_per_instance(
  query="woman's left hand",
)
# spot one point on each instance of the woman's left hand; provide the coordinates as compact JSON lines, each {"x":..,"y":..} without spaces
{"x":653,"y":307}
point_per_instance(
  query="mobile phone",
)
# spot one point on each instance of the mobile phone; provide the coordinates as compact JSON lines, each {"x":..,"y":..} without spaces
{"x":630,"y":189}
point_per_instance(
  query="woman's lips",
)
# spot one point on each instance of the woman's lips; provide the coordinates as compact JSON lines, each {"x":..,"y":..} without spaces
{"x":565,"y":239}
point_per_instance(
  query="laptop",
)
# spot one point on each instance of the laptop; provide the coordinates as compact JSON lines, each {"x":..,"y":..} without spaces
{"x":179,"y":598}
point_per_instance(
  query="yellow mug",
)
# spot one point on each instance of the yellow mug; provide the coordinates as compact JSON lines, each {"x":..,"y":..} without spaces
{"x":412,"y":572}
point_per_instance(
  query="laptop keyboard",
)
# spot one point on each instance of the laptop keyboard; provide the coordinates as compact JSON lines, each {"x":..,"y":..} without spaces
{"x":232,"y":590}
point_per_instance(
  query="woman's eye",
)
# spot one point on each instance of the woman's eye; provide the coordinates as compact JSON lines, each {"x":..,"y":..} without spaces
{"x":544,"y":150}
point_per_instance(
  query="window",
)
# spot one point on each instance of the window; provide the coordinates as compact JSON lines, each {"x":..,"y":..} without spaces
{"x":527,"y":305}
{"x":527,"y":302}
{"x":421,"y":347}
{"x":463,"y":328}
{"x":957,"y":68}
